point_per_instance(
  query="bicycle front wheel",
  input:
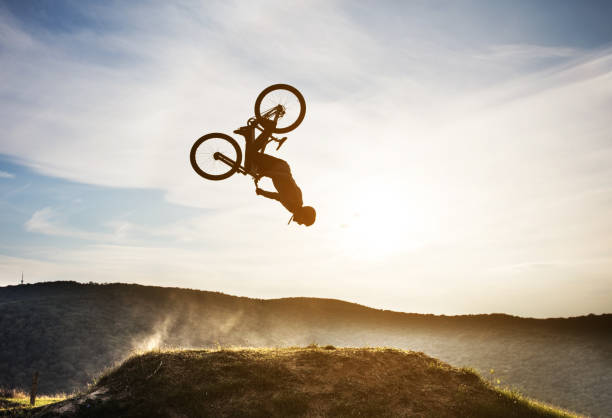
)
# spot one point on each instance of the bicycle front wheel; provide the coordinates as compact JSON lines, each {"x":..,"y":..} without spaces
{"x":283,"y":103}
{"x":215,"y":156}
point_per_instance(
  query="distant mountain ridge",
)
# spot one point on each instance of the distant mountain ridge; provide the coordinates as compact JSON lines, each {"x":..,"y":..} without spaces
{"x":69,"y":332}
{"x":585,"y":323}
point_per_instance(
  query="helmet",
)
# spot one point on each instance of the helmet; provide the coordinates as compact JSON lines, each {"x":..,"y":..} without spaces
{"x":305,"y":215}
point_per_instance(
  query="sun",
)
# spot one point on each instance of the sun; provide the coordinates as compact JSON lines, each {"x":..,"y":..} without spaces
{"x":384,"y":222}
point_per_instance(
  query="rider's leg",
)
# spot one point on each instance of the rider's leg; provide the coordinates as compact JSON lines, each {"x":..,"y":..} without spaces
{"x":269,"y":166}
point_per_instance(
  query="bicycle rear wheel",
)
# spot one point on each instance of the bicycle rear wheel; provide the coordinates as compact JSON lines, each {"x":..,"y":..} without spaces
{"x":215,"y":156}
{"x":283,"y":103}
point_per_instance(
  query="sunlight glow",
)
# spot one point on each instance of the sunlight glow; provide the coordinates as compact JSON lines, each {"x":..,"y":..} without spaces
{"x":384,"y":222}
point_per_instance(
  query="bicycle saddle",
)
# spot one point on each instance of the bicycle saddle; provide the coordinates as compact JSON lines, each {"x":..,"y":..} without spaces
{"x":243,"y":130}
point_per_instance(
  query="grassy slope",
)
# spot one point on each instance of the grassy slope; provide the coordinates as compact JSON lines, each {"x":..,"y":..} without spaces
{"x":20,"y":405}
{"x":285,"y":382}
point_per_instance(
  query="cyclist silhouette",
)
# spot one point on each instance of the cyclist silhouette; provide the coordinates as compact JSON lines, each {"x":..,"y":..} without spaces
{"x":279,"y":108}
{"x":287,"y":191}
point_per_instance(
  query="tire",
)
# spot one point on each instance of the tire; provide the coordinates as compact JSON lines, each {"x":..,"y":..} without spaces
{"x":206,"y":165}
{"x":275,"y":94}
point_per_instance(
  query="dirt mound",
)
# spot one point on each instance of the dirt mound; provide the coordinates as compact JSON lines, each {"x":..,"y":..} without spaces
{"x":311,"y":382}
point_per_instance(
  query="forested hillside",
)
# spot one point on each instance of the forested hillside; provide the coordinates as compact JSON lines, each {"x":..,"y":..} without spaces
{"x":69,"y":332}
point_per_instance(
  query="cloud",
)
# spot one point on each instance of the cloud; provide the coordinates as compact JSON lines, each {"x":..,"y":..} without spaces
{"x":6,"y":175}
{"x":47,"y":221}
{"x":41,"y":222}
{"x":526,"y":54}
{"x":128,"y":119}
{"x":465,"y":155}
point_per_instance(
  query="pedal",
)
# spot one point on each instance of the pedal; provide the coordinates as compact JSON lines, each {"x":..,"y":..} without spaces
{"x":281,"y":142}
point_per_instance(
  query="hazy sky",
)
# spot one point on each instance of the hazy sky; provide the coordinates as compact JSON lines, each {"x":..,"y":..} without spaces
{"x":459,"y":154}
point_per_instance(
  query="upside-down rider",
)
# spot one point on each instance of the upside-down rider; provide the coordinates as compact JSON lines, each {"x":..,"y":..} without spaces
{"x":287,"y":191}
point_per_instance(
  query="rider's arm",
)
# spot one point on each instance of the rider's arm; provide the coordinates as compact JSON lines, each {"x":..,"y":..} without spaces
{"x":269,"y":195}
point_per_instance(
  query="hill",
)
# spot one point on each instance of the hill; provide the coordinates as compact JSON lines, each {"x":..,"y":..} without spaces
{"x":70,"y":332}
{"x":288,"y":382}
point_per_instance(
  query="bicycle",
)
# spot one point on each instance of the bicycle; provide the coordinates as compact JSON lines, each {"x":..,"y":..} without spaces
{"x":279,"y":108}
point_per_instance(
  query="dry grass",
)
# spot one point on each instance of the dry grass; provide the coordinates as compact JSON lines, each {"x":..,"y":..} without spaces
{"x":15,"y":402}
{"x":310,"y":382}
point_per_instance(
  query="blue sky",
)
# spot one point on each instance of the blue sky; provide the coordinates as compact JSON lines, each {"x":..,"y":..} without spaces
{"x":82,"y":207}
{"x":459,"y":154}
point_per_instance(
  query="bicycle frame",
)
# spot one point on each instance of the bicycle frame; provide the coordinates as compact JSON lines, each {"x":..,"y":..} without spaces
{"x":257,"y":144}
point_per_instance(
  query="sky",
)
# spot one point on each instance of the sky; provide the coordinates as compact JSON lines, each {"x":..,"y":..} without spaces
{"x":458,"y":153}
